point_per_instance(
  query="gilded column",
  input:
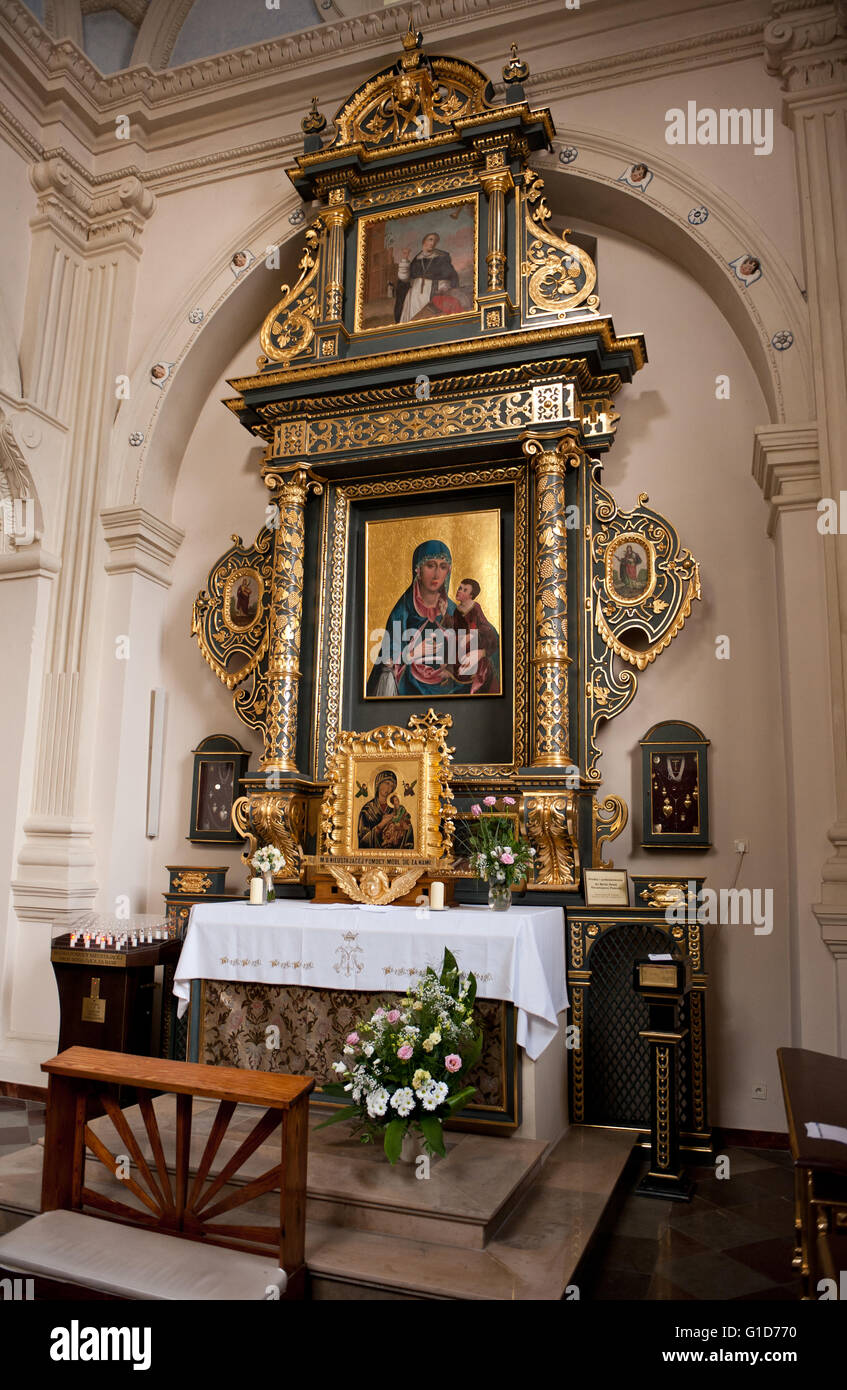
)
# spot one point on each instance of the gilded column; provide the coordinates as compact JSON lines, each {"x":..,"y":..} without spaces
{"x":497,"y":181}
{"x":550,"y":727}
{"x":336,"y":218}
{"x":286,"y":620}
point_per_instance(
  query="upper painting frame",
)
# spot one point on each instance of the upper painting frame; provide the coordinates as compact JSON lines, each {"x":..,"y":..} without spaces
{"x":451,"y":289}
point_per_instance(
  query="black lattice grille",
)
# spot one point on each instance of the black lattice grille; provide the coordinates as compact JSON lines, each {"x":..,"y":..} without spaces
{"x":617,"y":1075}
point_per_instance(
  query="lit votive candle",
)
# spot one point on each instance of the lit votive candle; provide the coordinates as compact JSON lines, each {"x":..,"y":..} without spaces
{"x":256,"y":890}
{"x":436,"y":896}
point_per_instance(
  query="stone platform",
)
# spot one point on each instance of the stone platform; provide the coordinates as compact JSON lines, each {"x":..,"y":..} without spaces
{"x":498,"y":1218}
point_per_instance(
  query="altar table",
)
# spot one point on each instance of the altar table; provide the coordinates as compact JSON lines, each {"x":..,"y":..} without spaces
{"x":517,"y":956}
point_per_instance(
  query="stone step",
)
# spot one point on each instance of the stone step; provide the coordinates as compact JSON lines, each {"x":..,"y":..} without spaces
{"x":531,"y":1255}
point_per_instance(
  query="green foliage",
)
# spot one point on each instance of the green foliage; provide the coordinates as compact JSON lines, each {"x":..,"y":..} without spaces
{"x":393,"y":1142}
{"x":433,"y":1133}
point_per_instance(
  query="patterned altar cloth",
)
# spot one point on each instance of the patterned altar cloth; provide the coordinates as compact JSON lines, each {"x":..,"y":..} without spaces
{"x":517,"y":955}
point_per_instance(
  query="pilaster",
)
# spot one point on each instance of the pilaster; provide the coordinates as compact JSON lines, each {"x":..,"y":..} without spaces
{"x":786,"y":467}
{"x":806,"y":47}
{"x":85,"y":248}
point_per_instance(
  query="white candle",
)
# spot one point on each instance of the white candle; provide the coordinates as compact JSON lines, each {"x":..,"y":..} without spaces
{"x":256,"y":890}
{"x":436,"y":896}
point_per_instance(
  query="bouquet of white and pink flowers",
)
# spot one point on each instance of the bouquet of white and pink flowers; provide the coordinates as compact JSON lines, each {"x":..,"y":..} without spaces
{"x":499,"y":854}
{"x":402,"y":1068}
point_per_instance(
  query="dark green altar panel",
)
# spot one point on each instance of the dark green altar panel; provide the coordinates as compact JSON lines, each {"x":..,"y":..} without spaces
{"x":230,"y":1018}
{"x":482,"y":729}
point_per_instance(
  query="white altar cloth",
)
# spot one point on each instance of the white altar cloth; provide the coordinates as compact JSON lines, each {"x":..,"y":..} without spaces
{"x":518,"y":955}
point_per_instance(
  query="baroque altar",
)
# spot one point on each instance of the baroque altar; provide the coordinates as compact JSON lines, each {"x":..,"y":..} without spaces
{"x":436,"y":393}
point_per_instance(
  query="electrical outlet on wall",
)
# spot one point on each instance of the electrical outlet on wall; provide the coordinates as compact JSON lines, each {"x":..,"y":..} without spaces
{"x":760,"y":1091}
{"x":742,"y":846}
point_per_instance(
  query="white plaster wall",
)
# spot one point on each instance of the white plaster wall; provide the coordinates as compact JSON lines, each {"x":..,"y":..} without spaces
{"x":219,"y":492}
{"x":763,"y":184}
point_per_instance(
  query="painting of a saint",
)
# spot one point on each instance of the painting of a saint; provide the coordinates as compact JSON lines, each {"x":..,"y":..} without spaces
{"x":431,"y":644}
{"x":629,"y":570}
{"x":384,"y":822}
{"x":424,"y":283}
{"x":243,"y":600}
{"x":416,"y":265}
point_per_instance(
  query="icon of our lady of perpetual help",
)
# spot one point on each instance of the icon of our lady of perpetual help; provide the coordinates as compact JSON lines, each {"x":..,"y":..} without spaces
{"x":427,"y":649}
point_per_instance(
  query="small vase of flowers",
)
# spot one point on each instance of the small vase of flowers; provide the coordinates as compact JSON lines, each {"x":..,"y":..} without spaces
{"x":403,"y":1069}
{"x":268,"y":861}
{"x":499,"y":854}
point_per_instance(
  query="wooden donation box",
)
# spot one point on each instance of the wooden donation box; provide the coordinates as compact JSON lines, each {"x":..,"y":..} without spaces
{"x":435,"y":393}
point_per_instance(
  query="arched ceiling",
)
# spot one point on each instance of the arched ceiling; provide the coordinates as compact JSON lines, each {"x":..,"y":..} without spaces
{"x":117,"y":34}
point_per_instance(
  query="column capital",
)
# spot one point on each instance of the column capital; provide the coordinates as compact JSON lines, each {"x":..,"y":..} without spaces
{"x":786,"y":465}
{"x":806,"y":47}
{"x":140,"y":543}
{"x":92,"y":216}
{"x":553,"y":455}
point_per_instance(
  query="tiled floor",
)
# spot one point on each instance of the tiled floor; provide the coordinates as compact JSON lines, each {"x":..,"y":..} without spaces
{"x":733,"y":1241}
{"x":21,"y":1124}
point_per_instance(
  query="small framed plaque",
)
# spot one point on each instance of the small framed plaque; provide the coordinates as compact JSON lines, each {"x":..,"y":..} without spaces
{"x":605,"y":887}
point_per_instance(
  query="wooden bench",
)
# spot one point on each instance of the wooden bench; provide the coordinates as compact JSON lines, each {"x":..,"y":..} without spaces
{"x":814,"y":1087}
{"x":149,"y":1256}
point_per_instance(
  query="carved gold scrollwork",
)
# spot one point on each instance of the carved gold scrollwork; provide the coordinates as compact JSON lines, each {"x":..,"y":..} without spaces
{"x":412,"y":101}
{"x":551,"y":827}
{"x":667,"y":582}
{"x":557,"y":274}
{"x":289,"y":329}
{"x":608,"y":820}
{"x":277,"y":818}
{"x":216,"y":620}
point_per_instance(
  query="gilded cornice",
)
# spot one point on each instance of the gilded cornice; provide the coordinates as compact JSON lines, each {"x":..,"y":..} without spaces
{"x":496,"y":342}
{"x":402,"y":394}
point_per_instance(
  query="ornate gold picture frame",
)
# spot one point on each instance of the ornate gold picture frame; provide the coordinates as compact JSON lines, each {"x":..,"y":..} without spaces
{"x":389,"y":795}
{"x":417,"y":264}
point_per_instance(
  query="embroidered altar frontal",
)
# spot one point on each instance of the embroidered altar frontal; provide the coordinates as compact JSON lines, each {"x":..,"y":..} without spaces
{"x":232,"y":1029}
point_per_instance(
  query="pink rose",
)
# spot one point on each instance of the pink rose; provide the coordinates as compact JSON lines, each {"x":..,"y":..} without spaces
{"x":508,"y":801}
{"x":453,"y":1062}
{"x":352,"y":1039}
{"x":507,"y":857}
{"x":380,"y":1013}
{"x":476,"y":810}
{"x":404,"y":1052}
{"x":393,"y":1015}
{"x":489,"y":801}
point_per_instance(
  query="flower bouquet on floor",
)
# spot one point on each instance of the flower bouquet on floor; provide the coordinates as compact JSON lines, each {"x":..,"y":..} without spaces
{"x":268,"y":861}
{"x":402,"y":1068}
{"x":499,"y":855}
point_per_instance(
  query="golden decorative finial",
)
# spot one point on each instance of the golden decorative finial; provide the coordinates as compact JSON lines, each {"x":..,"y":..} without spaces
{"x":313,"y":122}
{"x":515,"y":71}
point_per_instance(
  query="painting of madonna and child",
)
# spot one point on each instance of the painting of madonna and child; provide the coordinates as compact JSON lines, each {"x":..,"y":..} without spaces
{"x":417,"y":266}
{"x":432,"y":609}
